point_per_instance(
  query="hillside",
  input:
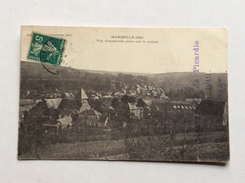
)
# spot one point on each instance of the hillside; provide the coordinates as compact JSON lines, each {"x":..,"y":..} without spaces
{"x":35,"y":76}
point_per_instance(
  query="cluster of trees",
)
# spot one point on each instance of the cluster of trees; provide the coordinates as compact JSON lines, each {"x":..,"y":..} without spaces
{"x":67,"y":80}
{"x":132,"y":79}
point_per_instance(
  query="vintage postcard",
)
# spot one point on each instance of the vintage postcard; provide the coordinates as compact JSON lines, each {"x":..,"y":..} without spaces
{"x":137,"y":94}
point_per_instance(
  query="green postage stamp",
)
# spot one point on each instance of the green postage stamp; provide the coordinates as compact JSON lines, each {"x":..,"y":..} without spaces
{"x":46,"y":49}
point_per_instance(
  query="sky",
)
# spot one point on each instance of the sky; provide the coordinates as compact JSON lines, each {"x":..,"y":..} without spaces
{"x":139,"y":50}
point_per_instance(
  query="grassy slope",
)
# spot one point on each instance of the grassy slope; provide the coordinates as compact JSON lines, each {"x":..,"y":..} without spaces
{"x":210,"y":150}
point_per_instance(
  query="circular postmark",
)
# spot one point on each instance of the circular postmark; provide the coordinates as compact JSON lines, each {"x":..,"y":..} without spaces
{"x":51,"y":55}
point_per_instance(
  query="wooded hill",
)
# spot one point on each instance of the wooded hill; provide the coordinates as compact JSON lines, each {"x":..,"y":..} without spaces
{"x":35,"y":77}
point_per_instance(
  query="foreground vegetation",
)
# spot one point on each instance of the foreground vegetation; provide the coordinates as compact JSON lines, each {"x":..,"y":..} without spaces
{"x":98,"y":144}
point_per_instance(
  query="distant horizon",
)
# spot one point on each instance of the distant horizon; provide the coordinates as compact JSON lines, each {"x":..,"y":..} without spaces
{"x":124,"y":72}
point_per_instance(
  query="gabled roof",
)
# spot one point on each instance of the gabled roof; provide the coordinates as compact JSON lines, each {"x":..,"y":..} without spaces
{"x":111,"y":108}
{"x":81,"y":95}
{"x":148,"y":102}
{"x":65,"y":121}
{"x":53,"y":103}
{"x":27,"y":102}
{"x":143,"y":102}
{"x":163,"y":96}
{"x":210,"y":107}
{"x":132,"y":106}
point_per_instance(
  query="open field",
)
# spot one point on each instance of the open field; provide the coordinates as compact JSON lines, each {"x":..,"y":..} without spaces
{"x":213,"y":146}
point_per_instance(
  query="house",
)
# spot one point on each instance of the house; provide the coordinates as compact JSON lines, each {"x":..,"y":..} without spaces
{"x":142,"y":102}
{"x":144,"y":106}
{"x":131,"y":93}
{"x":119,"y":94}
{"x":138,"y":89}
{"x":135,"y":112}
{"x":163,"y":96}
{"x":213,"y":113}
{"x":165,"y":109}
{"x":83,"y":98}
{"x":41,"y":113}
{"x":174,"y":105}
{"x":150,"y":87}
{"x":25,"y":106}
{"x":90,"y":117}
{"x":154,"y":93}
{"x":46,"y":109}
{"x":65,"y":122}
{"x":85,"y":106}
{"x":159,"y":91}
{"x":58,"y":125}
{"x":147,"y":101}
{"x":107,"y":96}
{"x":51,"y":128}
{"x":180,"y":107}
{"x":32,"y":94}
{"x":64,"y":114}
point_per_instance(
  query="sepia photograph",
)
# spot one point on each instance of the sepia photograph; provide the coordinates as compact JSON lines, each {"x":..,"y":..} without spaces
{"x":127,"y":94}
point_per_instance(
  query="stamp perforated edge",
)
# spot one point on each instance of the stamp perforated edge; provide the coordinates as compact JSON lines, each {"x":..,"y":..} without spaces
{"x":30,"y":41}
